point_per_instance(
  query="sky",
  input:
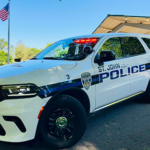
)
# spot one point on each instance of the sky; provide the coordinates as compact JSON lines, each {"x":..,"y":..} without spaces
{"x":39,"y":22}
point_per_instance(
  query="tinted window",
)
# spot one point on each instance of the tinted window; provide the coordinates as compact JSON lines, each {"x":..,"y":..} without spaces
{"x":147,"y":41}
{"x":112,"y":44}
{"x":131,"y":46}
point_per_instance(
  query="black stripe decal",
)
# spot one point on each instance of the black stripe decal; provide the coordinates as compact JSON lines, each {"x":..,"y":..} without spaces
{"x":95,"y":79}
{"x":147,"y":66}
{"x":50,"y":90}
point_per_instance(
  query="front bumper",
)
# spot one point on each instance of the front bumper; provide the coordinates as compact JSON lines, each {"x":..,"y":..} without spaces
{"x":27,"y":111}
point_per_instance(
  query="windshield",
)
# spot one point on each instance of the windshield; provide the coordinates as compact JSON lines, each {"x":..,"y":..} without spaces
{"x":66,"y":50}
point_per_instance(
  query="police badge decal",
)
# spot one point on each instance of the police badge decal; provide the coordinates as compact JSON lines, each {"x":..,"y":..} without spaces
{"x":86,"y":80}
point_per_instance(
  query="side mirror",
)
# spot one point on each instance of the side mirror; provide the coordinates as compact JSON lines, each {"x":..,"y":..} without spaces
{"x":107,"y":55}
{"x":88,"y":50}
{"x":99,"y":62}
{"x":18,"y":60}
{"x":104,"y":56}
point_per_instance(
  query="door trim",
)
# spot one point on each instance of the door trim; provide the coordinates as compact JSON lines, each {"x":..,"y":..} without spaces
{"x":117,"y":101}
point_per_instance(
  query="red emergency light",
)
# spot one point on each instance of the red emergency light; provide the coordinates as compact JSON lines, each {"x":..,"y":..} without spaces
{"x":84,"y":41}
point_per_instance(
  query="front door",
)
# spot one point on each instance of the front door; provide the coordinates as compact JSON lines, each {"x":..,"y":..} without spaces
{"x":111,"y":78}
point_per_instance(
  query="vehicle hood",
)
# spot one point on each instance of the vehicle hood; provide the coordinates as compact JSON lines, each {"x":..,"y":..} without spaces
{"x":38,"y":72}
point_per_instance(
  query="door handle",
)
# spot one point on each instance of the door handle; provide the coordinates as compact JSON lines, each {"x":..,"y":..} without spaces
{"x":124,"y":65}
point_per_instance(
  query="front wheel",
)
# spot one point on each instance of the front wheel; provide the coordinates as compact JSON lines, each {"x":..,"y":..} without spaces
{"x":147,"y":94}
{"x":62,"y":122}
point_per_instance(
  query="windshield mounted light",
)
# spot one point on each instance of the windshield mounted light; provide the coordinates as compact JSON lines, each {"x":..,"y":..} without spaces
{"x":20,"y":91}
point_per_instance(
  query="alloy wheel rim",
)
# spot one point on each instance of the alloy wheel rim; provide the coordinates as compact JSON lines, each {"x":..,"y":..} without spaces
{"x":61,"y":123}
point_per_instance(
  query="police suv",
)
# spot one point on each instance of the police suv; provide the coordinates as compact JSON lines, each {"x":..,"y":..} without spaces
{"x":51,"y":95}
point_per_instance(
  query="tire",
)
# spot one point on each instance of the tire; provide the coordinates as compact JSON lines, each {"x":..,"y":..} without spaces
{"x":58,"y":134}
{"x":147,"y":94}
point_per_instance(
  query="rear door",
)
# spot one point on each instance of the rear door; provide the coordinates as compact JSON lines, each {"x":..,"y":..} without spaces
{"x":137,"y":58}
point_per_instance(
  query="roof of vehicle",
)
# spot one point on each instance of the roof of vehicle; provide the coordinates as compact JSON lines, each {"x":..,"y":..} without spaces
{"x":109,"y":34}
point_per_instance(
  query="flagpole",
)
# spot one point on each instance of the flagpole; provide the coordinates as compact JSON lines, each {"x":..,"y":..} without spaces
{"x":8,"y":31}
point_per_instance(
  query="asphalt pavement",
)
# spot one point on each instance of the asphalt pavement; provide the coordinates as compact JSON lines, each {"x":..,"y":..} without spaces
{"x":125,"y":126}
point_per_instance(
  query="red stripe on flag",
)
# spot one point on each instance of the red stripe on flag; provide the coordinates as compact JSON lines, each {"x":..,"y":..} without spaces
{"x":6,"y":13}
{"x":3,"y":10}
{"x":3,"y":14}
{"x":4,"y":19}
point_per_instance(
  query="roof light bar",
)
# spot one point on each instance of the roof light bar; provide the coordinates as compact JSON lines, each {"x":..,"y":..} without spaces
{"x":84,"y":41}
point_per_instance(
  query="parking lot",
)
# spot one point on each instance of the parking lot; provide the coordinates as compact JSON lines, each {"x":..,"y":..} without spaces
{"x":125,"y":126}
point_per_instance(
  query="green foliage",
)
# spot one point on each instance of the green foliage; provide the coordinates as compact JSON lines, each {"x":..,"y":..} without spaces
{"x":4,"y":58}
{"x":131,"y":46}
{"x":49,"y":44}
{"x":20,"y":51}
{"x":61,"y":53}
{"x":3,"y":52}
{"x":112,"y":44}
{"x":25,"y":53}
{"x":12,"y":51}
{"x":3,"y":44}
{"x":123,"y":46}
{"x":31,"y":52}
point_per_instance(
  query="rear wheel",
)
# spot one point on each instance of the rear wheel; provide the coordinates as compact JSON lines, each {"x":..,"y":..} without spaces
{"x":62,"y":123}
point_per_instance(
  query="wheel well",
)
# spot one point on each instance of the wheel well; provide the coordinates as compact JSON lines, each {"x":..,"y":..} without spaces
{"x":78,"y":94}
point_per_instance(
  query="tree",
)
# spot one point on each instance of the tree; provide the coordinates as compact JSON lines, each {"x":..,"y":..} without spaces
{"x":49,"y":44}
{"x":31,"y":52}
{"x":112,"y":44}
{"x":3,"y":52}
{"x":3,"y":44}
{"x":25,"y":53}
{"x":20,"y":52}
{"x":12,"y":51}
{"x":4,"y":58}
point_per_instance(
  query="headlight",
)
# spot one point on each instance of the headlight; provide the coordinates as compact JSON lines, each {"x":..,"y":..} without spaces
{"x":20,"y":91}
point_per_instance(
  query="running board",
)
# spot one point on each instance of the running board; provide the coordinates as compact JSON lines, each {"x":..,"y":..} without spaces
{"x":116,"y":102}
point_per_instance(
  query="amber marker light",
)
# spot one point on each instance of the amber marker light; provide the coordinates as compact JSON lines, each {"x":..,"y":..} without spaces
{"x":40,"y":112}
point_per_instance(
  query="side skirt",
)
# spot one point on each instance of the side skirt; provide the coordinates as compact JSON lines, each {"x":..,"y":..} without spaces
{"x":110,"y":104}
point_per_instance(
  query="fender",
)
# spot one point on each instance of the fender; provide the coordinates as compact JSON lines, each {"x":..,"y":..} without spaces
{"x":77,"y":93}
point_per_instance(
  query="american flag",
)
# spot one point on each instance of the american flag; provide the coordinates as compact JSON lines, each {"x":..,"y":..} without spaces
{"x":4,"y":13}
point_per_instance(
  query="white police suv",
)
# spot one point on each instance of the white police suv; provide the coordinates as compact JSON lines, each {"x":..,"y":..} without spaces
{"x":51,"y":95}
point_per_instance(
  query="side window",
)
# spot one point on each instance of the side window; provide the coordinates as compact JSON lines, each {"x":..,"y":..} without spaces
{"x":111,"y":47}
{"x":131,"y":46}
{"x":147,"y":41}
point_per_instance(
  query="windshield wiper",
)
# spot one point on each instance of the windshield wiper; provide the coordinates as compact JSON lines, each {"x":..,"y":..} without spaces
{"x":33,"y":58}
{"x":51,"y":58}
